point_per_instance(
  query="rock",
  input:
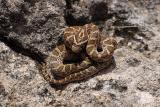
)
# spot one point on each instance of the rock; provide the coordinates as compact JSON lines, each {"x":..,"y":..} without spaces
{"x":35,"y":26}
{"x":30,"y":29}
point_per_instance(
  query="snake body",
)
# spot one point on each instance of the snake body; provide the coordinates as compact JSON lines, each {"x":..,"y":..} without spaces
{"x":79,"y":39}
{"x":88,"y":36}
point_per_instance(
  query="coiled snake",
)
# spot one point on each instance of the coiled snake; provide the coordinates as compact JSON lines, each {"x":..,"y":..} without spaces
{"x":84,"y":41}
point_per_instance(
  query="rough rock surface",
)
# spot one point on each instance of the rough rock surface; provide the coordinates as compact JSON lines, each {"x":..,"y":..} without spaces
{"x":34,"y":26}
{"x":30,"y":29}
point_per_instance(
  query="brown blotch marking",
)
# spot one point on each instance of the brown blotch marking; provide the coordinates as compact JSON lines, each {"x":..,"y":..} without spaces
{"x":53,"y":57}
{"x":80,"y":74}
{"x":71,"y":39}
{"x":68,"y":78}
{"x":67,"y":68}
{"x":110,"y":48}
{"x":73,"y":67}
{"x":94,"y":27}
{"x":108,"y":41}
{"x":82,"y":40}
{"x":60,"y":68}
{"x":55,"y":65}
{"x":92,"y":41}
{"x":90,"y":48}
{"x":85,"y":37}
{"x":66,"y":35}
{"x":94,"y":35}
{"x":81,"y":33}
{"x":70,"y":29}
{"x":114,"y":42}
{"x":77,"y":28}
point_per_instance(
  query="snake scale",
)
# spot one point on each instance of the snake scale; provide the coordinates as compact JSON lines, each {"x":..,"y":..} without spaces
{"x":94,"y":50}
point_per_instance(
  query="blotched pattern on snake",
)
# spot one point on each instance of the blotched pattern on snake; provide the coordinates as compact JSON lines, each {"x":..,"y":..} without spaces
{"x":84,"y":42}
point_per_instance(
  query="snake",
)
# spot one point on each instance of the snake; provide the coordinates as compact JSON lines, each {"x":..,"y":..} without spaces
{"x":88,"y":36}
{"x":95,"y":50}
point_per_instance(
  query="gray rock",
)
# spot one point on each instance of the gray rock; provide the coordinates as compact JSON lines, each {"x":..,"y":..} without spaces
{"x":30,"y":29}
{"x":35,"y":26}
